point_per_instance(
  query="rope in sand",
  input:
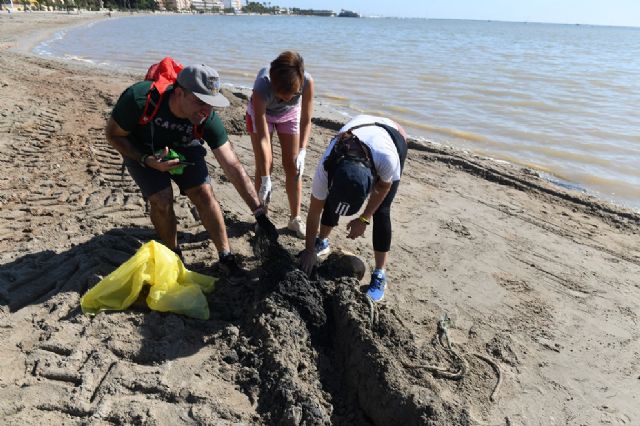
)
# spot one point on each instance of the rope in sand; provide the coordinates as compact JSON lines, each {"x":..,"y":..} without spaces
{"x":496,"y":368}
{"x":373,"y":312}
{"x":445,"y":342}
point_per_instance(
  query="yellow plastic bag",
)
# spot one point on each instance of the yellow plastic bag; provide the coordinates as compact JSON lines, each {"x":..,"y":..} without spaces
{"x":173,"y":287}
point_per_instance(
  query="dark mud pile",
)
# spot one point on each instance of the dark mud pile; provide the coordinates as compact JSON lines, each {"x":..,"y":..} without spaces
{"x":316,"y":352}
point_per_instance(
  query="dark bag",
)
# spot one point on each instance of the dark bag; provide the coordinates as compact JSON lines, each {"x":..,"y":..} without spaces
{"x":350,"y":148}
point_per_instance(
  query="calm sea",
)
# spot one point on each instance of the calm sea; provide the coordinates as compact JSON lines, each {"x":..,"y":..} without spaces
{"x":562,"y":99}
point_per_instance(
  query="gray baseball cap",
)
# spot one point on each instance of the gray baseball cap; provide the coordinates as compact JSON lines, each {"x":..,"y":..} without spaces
{"x":204,"y":83}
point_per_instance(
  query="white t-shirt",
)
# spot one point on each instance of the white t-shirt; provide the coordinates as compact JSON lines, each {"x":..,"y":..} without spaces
{"x":383,"y":152}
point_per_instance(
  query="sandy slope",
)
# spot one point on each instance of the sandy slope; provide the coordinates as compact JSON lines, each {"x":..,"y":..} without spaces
{"x":540,"y":283}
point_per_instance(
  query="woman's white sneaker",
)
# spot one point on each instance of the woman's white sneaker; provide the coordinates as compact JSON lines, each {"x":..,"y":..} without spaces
{"x":297,"y":226}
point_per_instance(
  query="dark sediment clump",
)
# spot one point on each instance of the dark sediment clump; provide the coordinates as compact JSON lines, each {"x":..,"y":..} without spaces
{"x":312,"y":355}
{"x":233,"y":115}
{"x":342,"y":264}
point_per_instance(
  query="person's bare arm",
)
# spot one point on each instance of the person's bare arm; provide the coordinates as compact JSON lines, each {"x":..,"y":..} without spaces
{"x":308,"y":257}
{"x":357,"y":227}
{"x":379,"y":192}
{"x":306,"y":114}
{"x":236,"y":173}
{"x":263,"y":151}
{"x":117,"y":138}
{"x":313,"y":222}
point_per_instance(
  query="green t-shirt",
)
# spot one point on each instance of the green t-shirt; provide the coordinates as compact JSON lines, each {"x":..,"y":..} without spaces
{"x":166,"y":129}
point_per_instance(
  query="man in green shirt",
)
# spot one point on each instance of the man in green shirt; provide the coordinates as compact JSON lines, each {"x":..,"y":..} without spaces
{"x":145,"y":148}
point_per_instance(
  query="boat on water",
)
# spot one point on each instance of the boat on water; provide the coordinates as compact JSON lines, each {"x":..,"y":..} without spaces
{"x":348,"y":14}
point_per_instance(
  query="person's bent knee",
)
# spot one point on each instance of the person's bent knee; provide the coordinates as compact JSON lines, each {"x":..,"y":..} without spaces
{"x":162,"y":200}
{"x":329,"y":219}
{"x":289,"y":166}
{"x":201,"y":194}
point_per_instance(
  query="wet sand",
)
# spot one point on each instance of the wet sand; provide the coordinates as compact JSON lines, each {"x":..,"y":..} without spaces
{"x":541,"y":285}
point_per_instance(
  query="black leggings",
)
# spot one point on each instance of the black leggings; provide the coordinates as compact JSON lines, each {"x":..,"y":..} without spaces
{"x":382,"y":216}
{"x":382,"y":221}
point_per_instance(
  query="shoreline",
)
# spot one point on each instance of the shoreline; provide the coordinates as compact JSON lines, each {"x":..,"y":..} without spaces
{"x":539,"y":280}
{"x":24,"y":40}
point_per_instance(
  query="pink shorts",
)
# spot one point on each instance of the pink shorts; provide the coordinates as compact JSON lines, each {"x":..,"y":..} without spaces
{"x":287,"y":123}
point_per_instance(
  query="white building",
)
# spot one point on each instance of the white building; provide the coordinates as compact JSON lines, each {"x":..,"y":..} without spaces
{"x":174,"y":4}
{"x":236,"y":4}
{"x":207,"y":5}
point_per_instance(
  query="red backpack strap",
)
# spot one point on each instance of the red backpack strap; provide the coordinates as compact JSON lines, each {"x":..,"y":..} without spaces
{"x":163,"y":74}
{"x":147,"y":115}
{"x":198,"y":131}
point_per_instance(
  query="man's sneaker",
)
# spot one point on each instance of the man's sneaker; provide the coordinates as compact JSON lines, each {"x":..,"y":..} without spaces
{"x":378,"y":284}
{"x":229,"y":266}
{"x":322,"y":246}
{"x":297,"y":226}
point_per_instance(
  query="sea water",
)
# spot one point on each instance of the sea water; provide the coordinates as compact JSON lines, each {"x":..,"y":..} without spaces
{"x":561,"y":99}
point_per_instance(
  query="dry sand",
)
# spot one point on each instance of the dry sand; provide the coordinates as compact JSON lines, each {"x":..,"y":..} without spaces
{"x":541,"y":284}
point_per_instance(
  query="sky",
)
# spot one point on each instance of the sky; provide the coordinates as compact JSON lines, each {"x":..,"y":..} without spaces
{"x":596,"y":12}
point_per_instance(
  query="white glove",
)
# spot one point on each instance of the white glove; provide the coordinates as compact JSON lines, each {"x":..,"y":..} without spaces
{"x":265,"y":190}
{"x":300,"y":161}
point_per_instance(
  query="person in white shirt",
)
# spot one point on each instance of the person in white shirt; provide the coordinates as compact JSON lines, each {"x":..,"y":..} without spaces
{"x":365,"y":159}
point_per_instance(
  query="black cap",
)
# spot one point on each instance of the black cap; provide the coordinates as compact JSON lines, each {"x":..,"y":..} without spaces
{"x":351,"y":183}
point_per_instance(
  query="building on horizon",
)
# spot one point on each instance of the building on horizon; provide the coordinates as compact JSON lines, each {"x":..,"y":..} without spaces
{"x":235,"y":4}
{"x":312,"y":12}
{"x":204,"y":5}
{"x":173,"y":4}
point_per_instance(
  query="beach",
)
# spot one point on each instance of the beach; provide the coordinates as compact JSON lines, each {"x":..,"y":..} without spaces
{"x":540,"y":284}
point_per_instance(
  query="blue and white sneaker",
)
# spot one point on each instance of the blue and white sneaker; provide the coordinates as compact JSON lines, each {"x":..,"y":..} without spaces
{"x":378,"y":284}
{"x":322,"y":246}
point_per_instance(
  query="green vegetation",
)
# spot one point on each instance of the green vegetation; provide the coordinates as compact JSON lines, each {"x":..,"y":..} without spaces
{"x":264,"y":8}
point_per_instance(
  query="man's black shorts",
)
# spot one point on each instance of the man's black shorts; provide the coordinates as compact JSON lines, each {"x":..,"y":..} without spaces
{"x":152,"y":181}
